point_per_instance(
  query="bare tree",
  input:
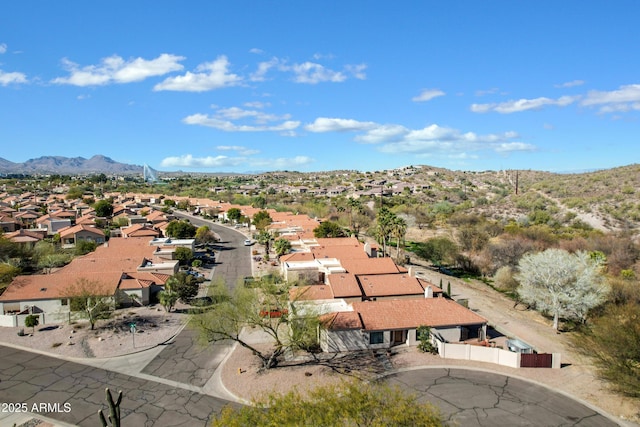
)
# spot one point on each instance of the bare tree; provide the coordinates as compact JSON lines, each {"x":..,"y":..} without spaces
{"x":561,"y":284}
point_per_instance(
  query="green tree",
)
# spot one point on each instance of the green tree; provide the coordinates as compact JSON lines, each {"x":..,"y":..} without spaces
{"x":83,"y":247}
{"x":94,"y":300}
{"x":262,"y":307}
{"x":168,"y":297}
{"x":8,"y":272}
{"x":281,"y":246}
{"x":181,"y":230}
{"x":205,"y":235}
{"x":355,"y":207}
{"x":561,"y":284}
{"x":384,"y":226}
{"x":264,"y":238}
{"x":329,"y":229}
{"x":184,"y":285}
{"x":346,"y":404}
{"x":103,"y":208}
{"x":234,"y":214}
{"x":398,"y":231}
{"x":74,"y":193}
{"x":184,"y":255}
{"x":438,"y":250}
{"x":31,"y":321}
{"x":261,"y":220}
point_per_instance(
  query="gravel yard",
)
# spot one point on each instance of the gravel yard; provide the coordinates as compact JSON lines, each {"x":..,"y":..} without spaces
{"x":111,"y":337}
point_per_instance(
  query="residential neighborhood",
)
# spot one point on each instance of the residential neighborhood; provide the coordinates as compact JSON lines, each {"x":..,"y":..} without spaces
{"x":368,"y":302}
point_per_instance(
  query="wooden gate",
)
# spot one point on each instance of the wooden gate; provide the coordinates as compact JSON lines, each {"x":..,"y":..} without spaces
{"x":544,"y":360}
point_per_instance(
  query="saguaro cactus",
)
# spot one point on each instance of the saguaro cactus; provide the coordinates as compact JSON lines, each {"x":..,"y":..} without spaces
{"x":114,"y":410}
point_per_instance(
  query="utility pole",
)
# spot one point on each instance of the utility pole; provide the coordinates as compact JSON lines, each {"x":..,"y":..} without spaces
{"x":517,"y":182}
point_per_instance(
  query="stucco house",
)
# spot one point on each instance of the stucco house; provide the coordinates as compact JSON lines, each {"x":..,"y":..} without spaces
{"x":384,"y":324}
{"x":71,"y":235}
{"x":129,"y":271}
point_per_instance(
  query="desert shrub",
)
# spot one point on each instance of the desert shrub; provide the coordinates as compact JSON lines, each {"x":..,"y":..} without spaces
{"x":504,"y":280}
{"x":614,"y":343}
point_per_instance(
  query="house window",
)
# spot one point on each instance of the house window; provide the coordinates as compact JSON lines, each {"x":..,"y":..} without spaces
{"x":64,"y":301}
{"x":376,"y":338}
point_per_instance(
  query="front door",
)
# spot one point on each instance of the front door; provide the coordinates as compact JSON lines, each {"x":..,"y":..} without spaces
{"x":398,"y":337}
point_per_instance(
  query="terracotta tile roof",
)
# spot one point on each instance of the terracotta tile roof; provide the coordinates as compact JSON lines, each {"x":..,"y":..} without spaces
{"x":341,"y":252}
{"x":344,"y":285}
{"x":310,"y":293}
{"x":56,"y":285}
{"x":341,"y":321}
{"x":88,"y":219}
{"x":25,"y":236}
{"x":338,"y":241}
{"x":411,"y":313}
{"x":68,"y":231}
{"x":371,"y":266}
{"x":388,"y":285}
{"x":297,"y":256}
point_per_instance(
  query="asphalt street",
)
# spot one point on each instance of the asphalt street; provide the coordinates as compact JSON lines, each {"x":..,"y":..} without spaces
{"x":478,"y":398}
{"x":28,"y":379}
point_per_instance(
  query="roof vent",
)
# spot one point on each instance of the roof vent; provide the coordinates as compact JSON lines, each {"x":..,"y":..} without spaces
{"x":43,"y":289}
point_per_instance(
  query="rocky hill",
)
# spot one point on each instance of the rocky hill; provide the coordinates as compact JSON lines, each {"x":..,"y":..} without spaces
{"x":68,"y":166}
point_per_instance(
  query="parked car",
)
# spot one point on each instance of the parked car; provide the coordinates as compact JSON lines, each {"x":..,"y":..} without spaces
{"x":248,"y":242}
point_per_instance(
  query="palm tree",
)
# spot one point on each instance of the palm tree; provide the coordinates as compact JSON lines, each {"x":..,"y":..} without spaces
{"x":398,"y":230}
{"x":384,"y":218}
{"x":355,"y":205}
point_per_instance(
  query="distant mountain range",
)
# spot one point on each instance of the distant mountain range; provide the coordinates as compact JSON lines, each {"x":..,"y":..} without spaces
{"x":68,"y":166}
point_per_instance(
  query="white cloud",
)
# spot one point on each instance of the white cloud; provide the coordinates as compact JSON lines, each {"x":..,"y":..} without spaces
{"x":188,"y":161}
{"x":114,"y":69}
{"x":257,"y":104}
{"x":12,"y":78}
{"x":487,"y":91}
{"x":238,"y":148}
{"x":235,"y":113}
{"x":515,"y":106}
{"x":263,"y":68}
{"x":382,"y":133}
{"x":625,"y":98}
{"x":256,"y":51}
{"x":281,"y":163}
{"x":514,"y":146}
{"x":432,"y":139}
{"x":312,"y":73}
{"x":208,"y":76}
{"x":3,"y":48}
{"x":229,"y":126}
{"x":428,"y":95}
{"x":325,"y":124}
{"x":572,"y":83}
{"x":308,"y":72}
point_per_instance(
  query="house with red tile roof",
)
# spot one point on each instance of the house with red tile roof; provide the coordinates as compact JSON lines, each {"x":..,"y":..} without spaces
{"x":384,"y":324}
{"x":71,"y":235}
{"x":26,"y":237}
{"x":130,"y":271}
{"x":8,"y":223}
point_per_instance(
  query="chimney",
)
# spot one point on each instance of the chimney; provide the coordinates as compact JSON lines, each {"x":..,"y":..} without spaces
{"x":428,"y":292}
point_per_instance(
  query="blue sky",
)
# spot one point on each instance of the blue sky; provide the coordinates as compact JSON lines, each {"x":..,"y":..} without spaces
{"x":242,"y":86}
